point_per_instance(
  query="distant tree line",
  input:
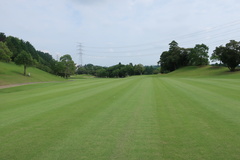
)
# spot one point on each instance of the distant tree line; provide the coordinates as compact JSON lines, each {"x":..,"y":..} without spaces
{"x":228,"y":55}
{"x":176,"y":57}
{"x":23,"y":53}
{"x":117,"y":71}
{"x":13,"y":49}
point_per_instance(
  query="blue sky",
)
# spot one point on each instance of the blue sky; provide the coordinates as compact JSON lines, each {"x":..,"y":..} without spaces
{"x":126,"y":31}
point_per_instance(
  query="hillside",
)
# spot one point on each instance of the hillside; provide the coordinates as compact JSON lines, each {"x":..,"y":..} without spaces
{"x":204,"y":71}
{"x":13,"y":74}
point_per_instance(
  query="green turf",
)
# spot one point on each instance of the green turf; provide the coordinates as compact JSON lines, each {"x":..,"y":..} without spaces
{"x":81,"y":76}
{"x":13,"y":74}
{"x":205,"y":71}
{"x":142,"y":117}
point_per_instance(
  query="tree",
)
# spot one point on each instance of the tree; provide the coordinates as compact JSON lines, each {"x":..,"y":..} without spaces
{"x":81,"y":70}
{"x":13,"y":44}
{"x":199,"y":55}
{"x":148,"y":70}
{"x":69,"y":66}
{"x":229,"y":55}
{"x":129,"y":69}
{"x":101,"y":73}
{"x":5,"y":53}
{"x":2,"y":37}
{"x":25,"y":59}
{"x":59,"y":69}
{"x":171,"y":60}
{"x":177,"y":57}
{"x":139,"y":69}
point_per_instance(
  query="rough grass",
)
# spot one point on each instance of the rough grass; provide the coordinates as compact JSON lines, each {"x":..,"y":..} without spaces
{"x":205,"y":71}
{"x":142,"y":117}
{"x":13,"y":74}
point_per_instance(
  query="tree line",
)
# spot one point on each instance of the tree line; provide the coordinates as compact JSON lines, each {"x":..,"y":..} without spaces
{"x":117,"y":71}
{"x":176,"y":57}
{"x":23,"y":53}
{"x":13,"y":49}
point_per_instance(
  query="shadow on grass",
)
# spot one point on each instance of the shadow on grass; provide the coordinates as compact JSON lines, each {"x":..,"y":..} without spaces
{"x":18,"y":73}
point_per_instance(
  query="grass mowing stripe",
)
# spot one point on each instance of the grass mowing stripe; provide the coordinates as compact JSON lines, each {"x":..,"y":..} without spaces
{"x":94,"y":133}
{"x":191,"y":128}
{"x":59,"y":117}
{"x":142,"y":117}
{"x":39,"y":104}
{"x":210,"y":98}
{"x":112,"y":134}
{"x":67,"y":89}
{"x":217,"y":85}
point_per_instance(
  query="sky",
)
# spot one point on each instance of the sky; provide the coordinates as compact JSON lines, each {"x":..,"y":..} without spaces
{"x":107,"y":32}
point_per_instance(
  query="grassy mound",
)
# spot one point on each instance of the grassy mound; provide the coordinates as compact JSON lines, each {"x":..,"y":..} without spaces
{"x":204,"y":71}
{"x":13,"y":74}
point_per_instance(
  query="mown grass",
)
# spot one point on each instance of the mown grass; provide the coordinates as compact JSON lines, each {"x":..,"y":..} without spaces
{"x":81,"y":76}
{"x":142,"y":117}
{"x":205,"y":71}
{"x":13,"y":74}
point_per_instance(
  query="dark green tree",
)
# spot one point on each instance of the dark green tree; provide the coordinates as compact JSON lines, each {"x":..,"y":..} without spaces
{"x":2,"y":37}
{"x":5,"y":53}
{"x":148,"y":70}
{"x":25,"y":59}
{"x":199,"y":55}
{"x":129,"y":69}
{"x":228,"y":54}
{"x":81,"y":70}
{"x":69,"y":66}
{"x":139,"y":69}
{"x":102,"y":73}
{"x":171,"y":60}
{"x":14,"y":45}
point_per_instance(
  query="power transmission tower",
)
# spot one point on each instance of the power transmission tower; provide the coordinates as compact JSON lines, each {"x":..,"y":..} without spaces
{"x":80,"y":54}
{"x":57,"y":57}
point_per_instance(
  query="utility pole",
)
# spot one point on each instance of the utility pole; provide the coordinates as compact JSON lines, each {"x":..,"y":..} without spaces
{"x":80,"y":54}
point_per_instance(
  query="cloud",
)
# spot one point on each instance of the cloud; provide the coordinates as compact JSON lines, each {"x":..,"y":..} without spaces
{"x":58,"y":25}
{"x":89,"y":2}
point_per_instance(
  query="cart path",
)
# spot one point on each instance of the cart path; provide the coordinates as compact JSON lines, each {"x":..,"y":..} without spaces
{"x":21,"y":84}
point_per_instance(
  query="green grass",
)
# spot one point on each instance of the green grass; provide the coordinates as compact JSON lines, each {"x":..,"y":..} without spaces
{"x":142,"y":117}
{"x":205,"y":71}
{"x":13,"y":74}
{"x":81,"y":76}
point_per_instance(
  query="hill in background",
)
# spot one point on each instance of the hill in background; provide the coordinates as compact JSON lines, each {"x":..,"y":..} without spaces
{"x":204,"y":71}
{"x":13,"y":74}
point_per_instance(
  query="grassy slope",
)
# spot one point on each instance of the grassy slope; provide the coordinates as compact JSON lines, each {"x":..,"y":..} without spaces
{"x":12,"y":74}
{"x":204,"y":71}
{"x":142,"y":117}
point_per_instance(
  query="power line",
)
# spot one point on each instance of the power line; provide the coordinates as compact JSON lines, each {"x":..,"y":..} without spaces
{"x":110,"y":50}
{"x":211,"y":33}
{"x":190,"y":35}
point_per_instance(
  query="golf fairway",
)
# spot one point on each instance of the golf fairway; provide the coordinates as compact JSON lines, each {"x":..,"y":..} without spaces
{"x":141,"y":117}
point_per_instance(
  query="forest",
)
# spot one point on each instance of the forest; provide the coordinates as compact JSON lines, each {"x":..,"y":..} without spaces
{"x":176,"y":57}
{"x":23,"y":53}
{"x":13,"y":49}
